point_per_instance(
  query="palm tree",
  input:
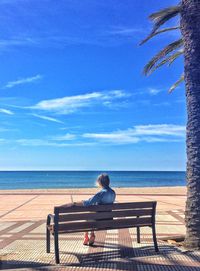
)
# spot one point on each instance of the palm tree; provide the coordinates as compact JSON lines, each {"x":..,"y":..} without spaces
{"x":188,"y":46}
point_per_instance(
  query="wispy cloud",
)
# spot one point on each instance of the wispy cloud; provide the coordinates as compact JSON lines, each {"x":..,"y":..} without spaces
{"x":51,"y":143}
{"x":140,"y":133}
{"x":146,"y":133}
{"x":160,"y":129}
{"x":2,"y":140}
{"x":6,"y":111}
{"x":118,"y":137}
{"x":70,"y":104}
{"x":22,"y":81}
{"x":108,"y":36}
{"x":17,"y":42}
{"x":65,"y":137}
{"x":47,"y":118}
{"x":126,"y":31}
{"x":153,"y":91}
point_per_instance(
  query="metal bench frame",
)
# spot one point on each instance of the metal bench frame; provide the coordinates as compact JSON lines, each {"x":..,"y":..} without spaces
{"x":100,"y":217}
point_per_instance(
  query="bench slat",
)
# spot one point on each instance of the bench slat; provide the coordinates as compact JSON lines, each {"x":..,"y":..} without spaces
{"x":113,"y":224}
{"x":104,"y":215}
{"x":107,"y":207}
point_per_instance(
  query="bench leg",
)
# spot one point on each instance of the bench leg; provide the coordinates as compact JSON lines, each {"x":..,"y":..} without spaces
{"x":138,"y":234}
{"x":154,"y":238}
{"x":57,"y":258}
{"x":47,"y":240}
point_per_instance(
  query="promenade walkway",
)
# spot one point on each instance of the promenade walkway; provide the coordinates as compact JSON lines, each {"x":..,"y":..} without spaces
{"x":22,"y":234}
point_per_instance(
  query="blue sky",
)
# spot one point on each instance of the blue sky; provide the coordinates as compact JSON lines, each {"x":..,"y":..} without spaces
{"x":72,"y":91}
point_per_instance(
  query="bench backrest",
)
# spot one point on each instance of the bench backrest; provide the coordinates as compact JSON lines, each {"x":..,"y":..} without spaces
{"x":100,"y":217}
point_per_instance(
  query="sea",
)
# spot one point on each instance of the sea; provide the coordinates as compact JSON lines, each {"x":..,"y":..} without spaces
{"x":86,"y":179}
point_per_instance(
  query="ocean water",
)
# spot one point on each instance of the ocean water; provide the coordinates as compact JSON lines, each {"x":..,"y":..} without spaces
{"x":81,"y":179}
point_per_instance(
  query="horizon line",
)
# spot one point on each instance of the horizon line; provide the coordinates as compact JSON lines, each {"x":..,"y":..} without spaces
{"x":94,"y":170}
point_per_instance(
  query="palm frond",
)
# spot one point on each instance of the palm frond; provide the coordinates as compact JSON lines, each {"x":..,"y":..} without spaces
{"x":173,"y":50}
{"x":168,"y":60}
{"x":159,"y":32}
{"x":163,"y":53}
{"x":177,"y":83}
{"x":161,"y":17}
{"x":173,"y":57}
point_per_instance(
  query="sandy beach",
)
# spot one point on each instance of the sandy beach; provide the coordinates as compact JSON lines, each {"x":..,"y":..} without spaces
{"x":119,"y":190}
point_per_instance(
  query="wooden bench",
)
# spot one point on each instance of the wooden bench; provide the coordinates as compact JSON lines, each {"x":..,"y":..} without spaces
{"x":100,"y":217}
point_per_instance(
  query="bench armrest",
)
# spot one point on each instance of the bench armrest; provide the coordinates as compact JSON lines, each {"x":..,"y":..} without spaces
{"x":50,"y":219}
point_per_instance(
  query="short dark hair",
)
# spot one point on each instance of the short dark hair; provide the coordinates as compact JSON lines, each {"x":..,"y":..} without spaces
{"x":104,"y":180}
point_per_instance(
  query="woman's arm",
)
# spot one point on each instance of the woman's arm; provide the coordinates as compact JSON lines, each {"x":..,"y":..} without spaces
{"x":96,"y":199}
{"x":79,"y":203}
{"x":92,"y":201}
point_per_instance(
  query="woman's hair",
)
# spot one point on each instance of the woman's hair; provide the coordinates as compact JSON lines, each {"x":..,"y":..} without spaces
{"x":103,"y":180}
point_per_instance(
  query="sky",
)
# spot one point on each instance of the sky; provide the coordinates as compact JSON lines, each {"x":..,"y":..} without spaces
{"x":72,"y":92}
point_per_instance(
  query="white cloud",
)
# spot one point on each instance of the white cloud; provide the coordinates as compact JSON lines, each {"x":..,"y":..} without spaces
{"x":125,"y":31}
{"x":70,"y":104}
{"x":153,"y":133}
{"x":100,"y":36}
{"x":6,"y":111}
{"x":160,"y":129}
{"x":154,"y":91}
{"x":113,"y":137}
{"x":65,"y":137}
{"x":47,"y":118}
{"x":17,"y":42}
{"x":50,"y":143}
{"x":146,"y":133}
{"x":22,"y":81}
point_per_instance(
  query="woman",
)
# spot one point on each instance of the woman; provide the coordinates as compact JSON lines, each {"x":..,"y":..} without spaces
{"x":105,"y":196}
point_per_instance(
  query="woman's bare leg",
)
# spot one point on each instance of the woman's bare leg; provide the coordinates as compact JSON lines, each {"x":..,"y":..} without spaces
{"x":92,"y":238}
{"x":86,"y":239}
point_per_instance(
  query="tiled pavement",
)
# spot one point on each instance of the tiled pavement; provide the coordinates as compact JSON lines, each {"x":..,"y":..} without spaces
{"x":22,"y":238}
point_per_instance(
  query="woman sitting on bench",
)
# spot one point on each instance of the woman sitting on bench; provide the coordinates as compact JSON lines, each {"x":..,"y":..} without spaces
{"x":105,"y":196}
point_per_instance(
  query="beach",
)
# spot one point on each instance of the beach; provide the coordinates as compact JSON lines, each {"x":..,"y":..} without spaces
{"x":119,"y":190}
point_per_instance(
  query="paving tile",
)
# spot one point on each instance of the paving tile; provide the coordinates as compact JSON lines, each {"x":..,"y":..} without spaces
{"x":23,"y":238}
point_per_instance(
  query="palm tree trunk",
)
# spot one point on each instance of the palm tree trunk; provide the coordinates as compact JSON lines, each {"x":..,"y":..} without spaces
{"x":190,"y":27}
